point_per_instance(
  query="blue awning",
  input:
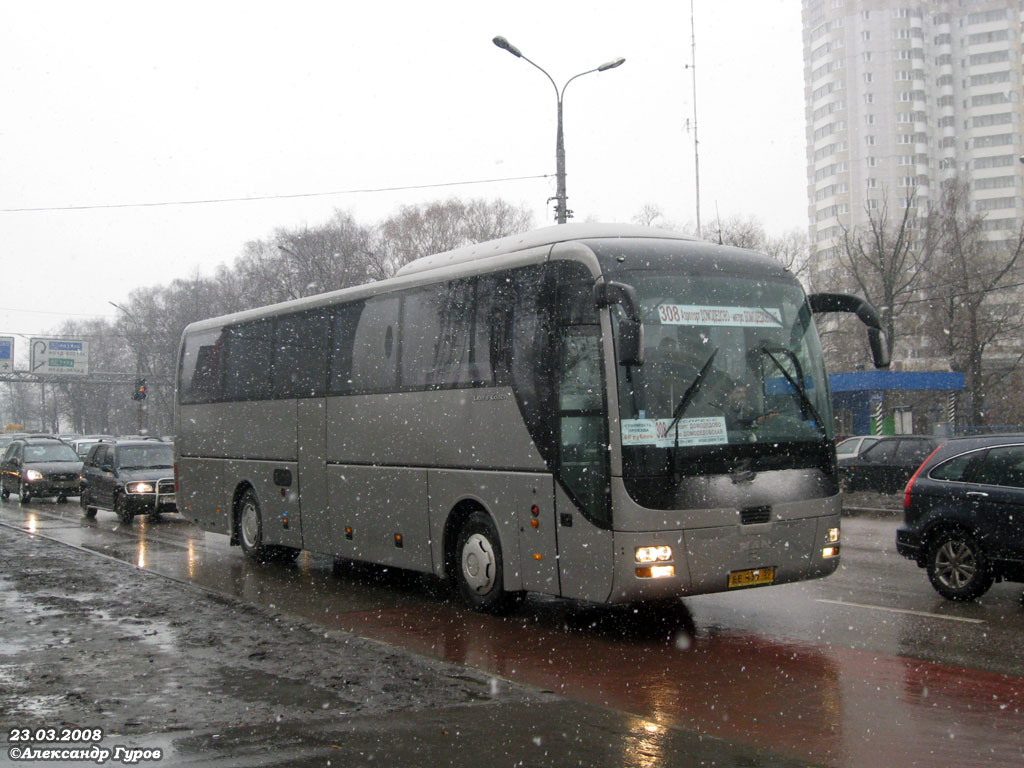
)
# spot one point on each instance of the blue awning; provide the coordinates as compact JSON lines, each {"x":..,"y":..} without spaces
{"x":868,"y":381}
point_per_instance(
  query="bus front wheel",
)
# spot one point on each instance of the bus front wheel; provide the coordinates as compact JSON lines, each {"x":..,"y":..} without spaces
{"x":479,"y":567}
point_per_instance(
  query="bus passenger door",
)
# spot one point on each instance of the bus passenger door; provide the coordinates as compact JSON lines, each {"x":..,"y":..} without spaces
{"x":583,"y":500}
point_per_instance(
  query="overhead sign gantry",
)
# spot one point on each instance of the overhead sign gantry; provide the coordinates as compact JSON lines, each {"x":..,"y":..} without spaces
{"x":59,"y":357}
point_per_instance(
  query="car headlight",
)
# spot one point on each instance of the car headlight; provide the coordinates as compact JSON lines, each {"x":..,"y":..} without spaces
{"x":140,"y":487}
{"x":33,"y":476}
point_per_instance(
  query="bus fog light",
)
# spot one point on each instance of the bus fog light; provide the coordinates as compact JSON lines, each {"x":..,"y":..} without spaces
{"x":653,"y":554}
{"x":833,"y":535}
{"x":829,"y":552}
{"x":656,"y":572}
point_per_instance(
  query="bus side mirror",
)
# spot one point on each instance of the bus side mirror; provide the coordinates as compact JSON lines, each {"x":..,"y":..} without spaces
{"x":879,"y":348}
{"x":631,"y":329}
{"x":865,"y":311}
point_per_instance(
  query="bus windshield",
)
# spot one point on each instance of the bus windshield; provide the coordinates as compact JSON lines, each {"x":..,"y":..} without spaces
{"x":730,"y":363}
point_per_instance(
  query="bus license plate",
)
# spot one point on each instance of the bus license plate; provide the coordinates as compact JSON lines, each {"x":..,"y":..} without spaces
{"x":752,"y":577}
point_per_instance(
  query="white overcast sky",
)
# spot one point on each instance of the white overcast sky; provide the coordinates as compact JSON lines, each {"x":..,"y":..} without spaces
{"x":108,"y":104}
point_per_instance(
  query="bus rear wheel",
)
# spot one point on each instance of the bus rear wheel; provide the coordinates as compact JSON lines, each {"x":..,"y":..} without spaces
{"x":250,"y":527}
{"x":479,"y":568}
{"x":250,"y":533}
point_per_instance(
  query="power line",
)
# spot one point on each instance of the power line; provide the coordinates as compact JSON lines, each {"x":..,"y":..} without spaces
{"x":256,"y":198}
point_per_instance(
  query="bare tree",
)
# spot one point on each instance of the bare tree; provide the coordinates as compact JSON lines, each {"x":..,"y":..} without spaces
{"x":423,"y":230}
{"x":885,"y":260}
{"x":974,"y":296}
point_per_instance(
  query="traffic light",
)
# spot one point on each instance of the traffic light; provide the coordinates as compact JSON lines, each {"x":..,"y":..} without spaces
{"x":140,"y":390}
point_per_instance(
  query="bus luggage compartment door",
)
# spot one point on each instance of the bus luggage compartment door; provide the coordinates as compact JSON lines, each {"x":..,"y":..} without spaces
{"x":522,"y":506}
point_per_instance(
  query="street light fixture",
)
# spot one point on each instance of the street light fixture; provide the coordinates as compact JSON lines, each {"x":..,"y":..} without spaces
{"x":561,"y":199}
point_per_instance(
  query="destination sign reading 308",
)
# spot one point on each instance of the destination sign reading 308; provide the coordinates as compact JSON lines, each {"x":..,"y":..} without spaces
{"x":66,"y":357}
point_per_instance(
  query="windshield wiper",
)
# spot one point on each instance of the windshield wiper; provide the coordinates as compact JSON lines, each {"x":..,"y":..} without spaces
{"x":690,"y":394}
{"x":796,"y":383}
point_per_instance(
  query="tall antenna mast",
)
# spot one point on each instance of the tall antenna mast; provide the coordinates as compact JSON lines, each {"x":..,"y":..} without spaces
{"x":696,"y":144}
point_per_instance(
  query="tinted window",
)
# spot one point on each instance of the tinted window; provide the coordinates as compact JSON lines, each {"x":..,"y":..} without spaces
{"x":146,"y":456}
{"x":955,"y":469}
{"x":880,"y":452}
{"x":247,"y":370}
{"x":201,"y":365}
{"x":375,"y":346}
{"x":346,"y":319}
{"x":914,"y":451}
{"x":445,"y":340}
{"x":1002,"y":466}
{"x":300,"y":355}
{"x":530,"y":359}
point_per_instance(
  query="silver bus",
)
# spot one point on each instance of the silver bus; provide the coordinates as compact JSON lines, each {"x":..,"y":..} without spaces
{"x":599,"y":412}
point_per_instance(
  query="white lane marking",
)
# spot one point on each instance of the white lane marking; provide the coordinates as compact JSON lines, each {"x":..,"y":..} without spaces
{"x":903,"y":610}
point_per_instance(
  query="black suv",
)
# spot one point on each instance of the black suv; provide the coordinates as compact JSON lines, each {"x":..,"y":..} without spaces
{"x":963,"y":515}
{"x":887,"y":465}
{"x":39,"y":466}
{"x":131,"y":477}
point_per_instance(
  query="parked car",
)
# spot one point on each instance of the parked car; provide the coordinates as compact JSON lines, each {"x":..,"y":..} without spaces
{"x":852,"y":446}
{"x":131,"y":477}
{"x":887,"y":465}
{"x":963,"y":515}
{"x":39,"y":466}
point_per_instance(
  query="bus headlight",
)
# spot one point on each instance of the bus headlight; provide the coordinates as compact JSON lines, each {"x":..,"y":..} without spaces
{"x":140,"y":487}
{"x":829,"y":552}
{"x":833,"y":535}
{"x":33,"y":476}
{"x":653,"y":554}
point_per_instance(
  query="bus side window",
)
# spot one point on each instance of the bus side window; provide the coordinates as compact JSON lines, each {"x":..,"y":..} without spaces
{"x":300,"y":359}
{"x":250,"y":350}
{"x":201,"y":367}
{"x":440,"y":340}
{"x":346,"y":318}
{"x":375,"y":346}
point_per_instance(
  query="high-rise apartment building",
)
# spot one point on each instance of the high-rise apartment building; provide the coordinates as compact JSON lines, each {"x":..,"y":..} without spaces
{"x":901,"y":94}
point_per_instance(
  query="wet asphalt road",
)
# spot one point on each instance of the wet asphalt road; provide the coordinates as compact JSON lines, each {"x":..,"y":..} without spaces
{"x":867,"y":667}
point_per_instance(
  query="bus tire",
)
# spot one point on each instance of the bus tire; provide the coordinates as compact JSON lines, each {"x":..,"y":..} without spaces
{"x":250,"y":530}
{"x":479,"y":569}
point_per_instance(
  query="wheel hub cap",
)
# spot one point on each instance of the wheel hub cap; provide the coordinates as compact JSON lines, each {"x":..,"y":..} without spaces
{"x":478,"y":564}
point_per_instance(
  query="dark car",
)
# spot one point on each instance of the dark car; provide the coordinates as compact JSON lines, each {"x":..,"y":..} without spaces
{"x":37,"y":467}
{"x":131,"y":477}
{"x":963,"y":515}
{"x":887,"y":465}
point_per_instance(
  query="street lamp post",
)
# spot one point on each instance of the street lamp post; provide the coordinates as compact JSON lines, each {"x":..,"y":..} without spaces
{"x":562,"y":212}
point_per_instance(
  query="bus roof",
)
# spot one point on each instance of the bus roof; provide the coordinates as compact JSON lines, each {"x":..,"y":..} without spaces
{"x":559,"y":233}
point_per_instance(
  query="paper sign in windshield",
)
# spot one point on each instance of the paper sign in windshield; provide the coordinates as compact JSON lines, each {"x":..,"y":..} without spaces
{"x":709,"y":430}
{"x":735,"y":317}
